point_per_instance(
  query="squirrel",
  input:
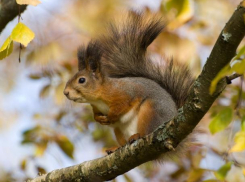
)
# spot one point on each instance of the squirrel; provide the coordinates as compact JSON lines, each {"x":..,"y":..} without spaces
{"x":126,"y":90}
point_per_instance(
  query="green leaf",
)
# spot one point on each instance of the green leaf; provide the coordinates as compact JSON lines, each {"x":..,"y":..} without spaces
{"x":238,"y":66}
{"x":65,"y":145}
{"x":221,"y":121}
{"x":222,"y":172}
{"x":240,"y":53}
{"x":225,"y":71}
{"x":243,"y":124}
{"x":22,"y":34}
{"x":6,"y":49}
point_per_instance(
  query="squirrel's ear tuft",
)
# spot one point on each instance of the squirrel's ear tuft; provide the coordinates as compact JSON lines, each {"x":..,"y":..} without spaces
{"x":81,"y":57}
{"x":93,"y":56}
{"x":89,"y":57}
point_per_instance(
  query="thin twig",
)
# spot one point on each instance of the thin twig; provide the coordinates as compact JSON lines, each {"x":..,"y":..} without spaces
{"x":232,"y":77}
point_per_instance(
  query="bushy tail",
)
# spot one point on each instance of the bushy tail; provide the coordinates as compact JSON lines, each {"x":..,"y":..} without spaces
{"x":124,"y":55}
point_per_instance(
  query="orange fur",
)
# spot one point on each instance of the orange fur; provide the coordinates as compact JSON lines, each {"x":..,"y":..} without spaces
{"x":145,"y":117}
{"x":119,"y":136}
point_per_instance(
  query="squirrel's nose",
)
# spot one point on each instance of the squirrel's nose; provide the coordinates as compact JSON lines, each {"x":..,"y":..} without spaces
{"x":66,"y":93}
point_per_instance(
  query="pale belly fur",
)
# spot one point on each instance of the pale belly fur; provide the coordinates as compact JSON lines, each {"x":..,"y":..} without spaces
{"x":127,"y":122}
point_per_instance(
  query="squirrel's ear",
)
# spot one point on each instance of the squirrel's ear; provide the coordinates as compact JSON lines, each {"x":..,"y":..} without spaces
{"x":89,"y":58}
{"x":81,"y":55}
{"x":93,"y":56}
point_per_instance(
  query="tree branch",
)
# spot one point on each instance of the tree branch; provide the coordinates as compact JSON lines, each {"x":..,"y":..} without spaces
{"x":170,"y":134}
{"x":9,"y":9}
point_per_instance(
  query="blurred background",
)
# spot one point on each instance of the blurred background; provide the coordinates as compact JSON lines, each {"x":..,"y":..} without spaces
{"x":40,"y":130}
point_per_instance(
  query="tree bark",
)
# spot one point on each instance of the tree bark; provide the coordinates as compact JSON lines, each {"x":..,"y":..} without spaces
{"x":169,"y":135}
{"x":9,"y":9}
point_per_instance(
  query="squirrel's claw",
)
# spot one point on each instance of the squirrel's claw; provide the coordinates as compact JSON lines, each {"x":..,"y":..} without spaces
{"x":133,"y":138}
{"x":111,"y":150}
{"x":102,"y":119}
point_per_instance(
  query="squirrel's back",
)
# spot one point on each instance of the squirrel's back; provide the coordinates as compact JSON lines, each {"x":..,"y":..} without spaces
{"x":124,"y":55}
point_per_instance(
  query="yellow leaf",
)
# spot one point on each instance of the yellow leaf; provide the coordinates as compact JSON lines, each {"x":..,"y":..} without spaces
{"x":45,"y":91}
{"x":28,"y":2}
{"x":59,"y":96}
{"x":183,"y":11}
{"x":239,"y":142}
{"x":22,"y":34}
{"x":243,"y":3}
{"x":40,"y":149}
{"x":195,"y":175}
{"x":243,"y":171}
{"x":6,"y":48}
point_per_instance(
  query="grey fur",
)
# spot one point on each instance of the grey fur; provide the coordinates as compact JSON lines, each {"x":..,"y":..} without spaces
{"x":124,"y":55}
{"x":163,"y":105}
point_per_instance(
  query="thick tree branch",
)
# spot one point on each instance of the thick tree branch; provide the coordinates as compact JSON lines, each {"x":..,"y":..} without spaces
{"x":172,"y":133}
{"x":9,"y":9}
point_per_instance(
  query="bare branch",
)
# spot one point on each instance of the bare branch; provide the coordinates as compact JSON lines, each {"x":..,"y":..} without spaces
{"x":9,"y":9}
{"x":173,"y":132}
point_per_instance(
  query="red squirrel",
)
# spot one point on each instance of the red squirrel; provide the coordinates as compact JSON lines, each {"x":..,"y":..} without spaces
{"x":126,"y":90}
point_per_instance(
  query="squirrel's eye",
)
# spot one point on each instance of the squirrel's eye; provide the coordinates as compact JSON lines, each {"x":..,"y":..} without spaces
{"x":81,"y":80}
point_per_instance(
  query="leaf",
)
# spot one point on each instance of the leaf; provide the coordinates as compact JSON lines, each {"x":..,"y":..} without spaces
{"x":225,"y":71}
{"x":23,"y":164}
{"x":196,"y":159}
{"x":212,"y":180}
{"x":22,"y":34}
{"x":28,"y":2}
{"x":243,"y":124}
{"x":7,"y":48}
{"x":65,"y":145}
{"x":41,"y":170}
{"x":183,"y":11}
{"x":240,"y":53}
{"x":238,"y":66}
{"x":222,"y":172}
{"x":59,"y":96}
{"x":29,"y":136}
{"x":195,"y":175}
{"x":221,"y":121}
{"x":127,"y":178}
{"x":35,"y":76}
{"x":45,"y":91}
{"x":41,"y":148}
{"x":239,"y":142}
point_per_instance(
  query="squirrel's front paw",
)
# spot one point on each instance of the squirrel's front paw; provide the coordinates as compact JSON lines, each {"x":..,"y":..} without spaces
{"x":102,"y":119}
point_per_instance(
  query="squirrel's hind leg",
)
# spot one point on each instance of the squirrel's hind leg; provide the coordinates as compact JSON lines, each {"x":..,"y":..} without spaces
{"x":145,"y":118}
